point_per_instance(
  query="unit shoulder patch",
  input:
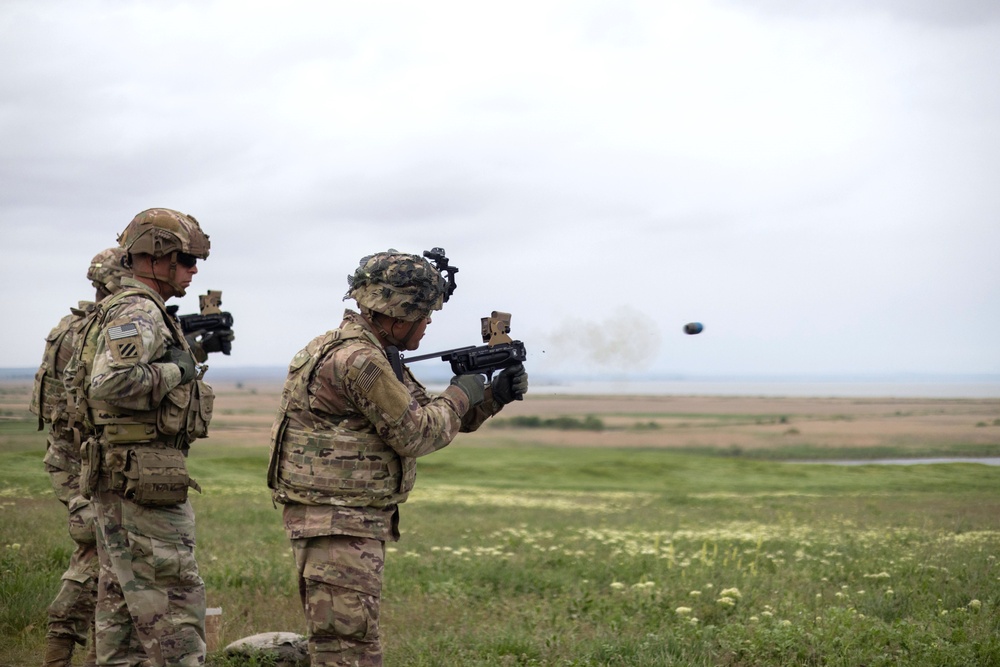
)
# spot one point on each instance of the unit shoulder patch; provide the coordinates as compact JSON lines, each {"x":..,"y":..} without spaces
{"x":124,"y":341}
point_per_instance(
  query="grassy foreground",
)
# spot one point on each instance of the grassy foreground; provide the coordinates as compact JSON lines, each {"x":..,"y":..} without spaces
{"x":573,"y":556}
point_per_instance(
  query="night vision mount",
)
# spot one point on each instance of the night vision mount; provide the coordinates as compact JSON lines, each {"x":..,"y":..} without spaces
{"x":440,"y":260}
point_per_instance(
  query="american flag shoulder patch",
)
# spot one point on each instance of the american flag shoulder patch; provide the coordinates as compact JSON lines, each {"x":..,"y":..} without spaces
{"x":123,"y":331}
{"x":124,"y":342}
{"x":370,"y":372}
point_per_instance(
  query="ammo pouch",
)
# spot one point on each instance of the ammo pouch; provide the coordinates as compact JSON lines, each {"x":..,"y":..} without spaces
{"x":187,"y":409}
{"x":156,"y":476}
{"x":90,"y":467}
{"x":201,"y":410}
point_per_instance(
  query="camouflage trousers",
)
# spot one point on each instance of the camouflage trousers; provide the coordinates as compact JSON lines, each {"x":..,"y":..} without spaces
{"x":150,"y":596}
{"x":71,"y":613}
{"x":340,"y":585}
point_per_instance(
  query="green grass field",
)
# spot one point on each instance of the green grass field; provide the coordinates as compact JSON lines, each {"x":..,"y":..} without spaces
{"x":516,"y":554}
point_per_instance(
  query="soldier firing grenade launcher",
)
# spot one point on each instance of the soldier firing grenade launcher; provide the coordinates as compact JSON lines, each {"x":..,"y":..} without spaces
{"x":212,"y":328}
{"x":499,"y":352}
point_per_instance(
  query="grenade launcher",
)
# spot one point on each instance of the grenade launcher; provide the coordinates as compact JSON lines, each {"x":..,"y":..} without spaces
{"x":499,"y":352}
{"x":213,"y":327}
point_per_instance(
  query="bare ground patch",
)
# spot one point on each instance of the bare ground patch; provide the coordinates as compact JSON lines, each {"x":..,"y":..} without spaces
{"x":244,"y":413}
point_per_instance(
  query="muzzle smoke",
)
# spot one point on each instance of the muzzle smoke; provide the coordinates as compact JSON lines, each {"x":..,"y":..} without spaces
{"x":627,"y":341}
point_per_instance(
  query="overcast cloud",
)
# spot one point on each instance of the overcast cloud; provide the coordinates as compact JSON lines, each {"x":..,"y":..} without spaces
{"x":817,"y":186}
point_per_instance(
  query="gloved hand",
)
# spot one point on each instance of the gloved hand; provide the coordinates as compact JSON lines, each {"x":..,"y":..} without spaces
{"x":474,"y":387}
{"x":194,"y":340}
{"x":218,"y":341}
{"x":510,"y":385}
{"x":202,"y":342}
{"x":184,"y":361}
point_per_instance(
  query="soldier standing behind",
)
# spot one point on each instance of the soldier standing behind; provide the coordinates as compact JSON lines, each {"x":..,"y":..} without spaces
{"x":71,"y":614}
{"x":145,"y":398}
{"x":344,"y":447}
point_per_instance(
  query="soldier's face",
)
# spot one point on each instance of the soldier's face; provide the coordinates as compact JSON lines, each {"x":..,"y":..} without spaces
{"x":417,"y":333}
{"x":184,"y":272}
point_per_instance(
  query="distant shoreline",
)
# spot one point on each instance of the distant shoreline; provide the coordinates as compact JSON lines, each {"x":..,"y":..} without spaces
{"x":780,"y":388}
{"x":888,"y":386}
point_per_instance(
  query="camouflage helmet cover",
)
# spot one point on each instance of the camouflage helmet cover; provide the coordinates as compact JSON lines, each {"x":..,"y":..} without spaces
{"x":407,"y":287}
{"x":107,"y":269}
{"x":162,"y":231}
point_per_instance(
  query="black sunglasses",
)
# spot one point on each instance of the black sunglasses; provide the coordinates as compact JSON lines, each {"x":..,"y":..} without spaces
{"x":186,"y":260}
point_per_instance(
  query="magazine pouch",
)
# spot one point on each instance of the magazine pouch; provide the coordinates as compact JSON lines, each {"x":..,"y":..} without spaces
{"x":90,"y":467}
{"x":200,"y":414}
{"x":172,"y":415}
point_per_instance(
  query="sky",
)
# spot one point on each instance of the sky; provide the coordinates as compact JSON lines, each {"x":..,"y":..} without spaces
{"x":817,"y":183}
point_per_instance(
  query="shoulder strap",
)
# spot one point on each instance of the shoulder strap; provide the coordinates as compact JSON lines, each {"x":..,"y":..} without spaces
{"x":168,"y":317}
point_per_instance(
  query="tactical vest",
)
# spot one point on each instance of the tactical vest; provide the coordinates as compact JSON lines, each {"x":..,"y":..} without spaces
{"x":48,"y":397}
{"x":314,"y":461}
{"x":182,"y":416}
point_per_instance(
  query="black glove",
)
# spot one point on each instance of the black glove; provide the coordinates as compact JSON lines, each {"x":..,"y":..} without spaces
{"x":184,"y":361}
{"x":194,"y":342}
{"x":202,"y":342}
{"x":218,"y":341}
{"x":474,"y":387}
{"x":510,"y":385}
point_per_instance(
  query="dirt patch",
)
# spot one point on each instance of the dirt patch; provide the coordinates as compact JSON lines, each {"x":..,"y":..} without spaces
{"x":761,"y":422}
{"x":244,"y":413}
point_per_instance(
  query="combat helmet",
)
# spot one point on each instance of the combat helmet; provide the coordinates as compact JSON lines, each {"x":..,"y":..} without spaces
{"x":163,"y":232}
{"x":406,"y":287}
{"x":107,"y":270}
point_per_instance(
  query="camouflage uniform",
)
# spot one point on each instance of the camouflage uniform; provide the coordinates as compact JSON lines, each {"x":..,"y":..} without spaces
{"x":71,"y":613}
{"x":149,"y":582}
{"x":145,"y":418}
{"x":343,"y":457}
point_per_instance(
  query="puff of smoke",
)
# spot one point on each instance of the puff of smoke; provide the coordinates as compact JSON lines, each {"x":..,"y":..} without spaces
{"x":626,"y":341}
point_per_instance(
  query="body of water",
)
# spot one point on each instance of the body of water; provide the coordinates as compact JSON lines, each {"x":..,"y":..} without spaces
{"x":988,"y":461}
{"x":811,"y":388}
{"x":987,"y":386}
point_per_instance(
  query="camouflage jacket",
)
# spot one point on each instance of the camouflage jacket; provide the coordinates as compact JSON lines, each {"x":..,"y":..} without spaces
{"x":132,"y":380}
{"x":353,"y":394}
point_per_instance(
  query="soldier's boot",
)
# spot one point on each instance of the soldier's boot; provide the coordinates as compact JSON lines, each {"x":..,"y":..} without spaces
{"x":59,"y":652}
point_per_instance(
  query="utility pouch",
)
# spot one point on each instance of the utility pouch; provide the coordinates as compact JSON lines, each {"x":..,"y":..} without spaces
{"x":172,"y":415}
{"x":200,"y":415}
{"x":90,"y":467}
{"x":48,"y":396}
{"x":156,"y":477}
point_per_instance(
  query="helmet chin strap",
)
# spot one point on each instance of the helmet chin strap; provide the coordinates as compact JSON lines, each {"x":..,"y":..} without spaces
{"x":390,"y":338}
{"x":405,"y":343}
{"x":171,"y":279}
